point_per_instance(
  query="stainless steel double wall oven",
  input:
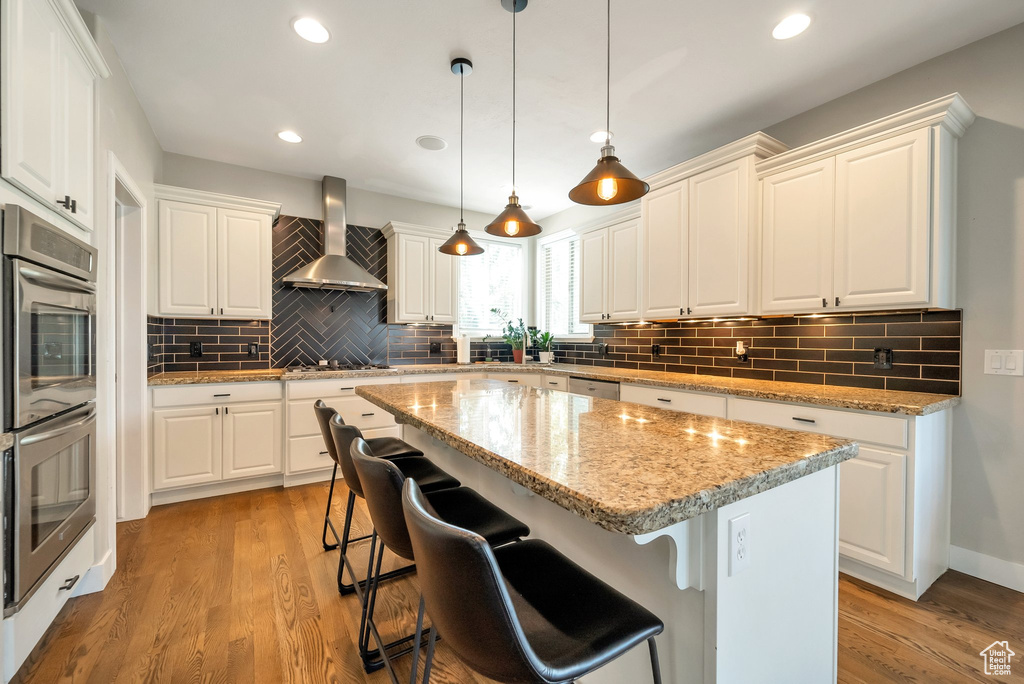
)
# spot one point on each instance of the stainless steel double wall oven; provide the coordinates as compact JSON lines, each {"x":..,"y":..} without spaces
{"x":49,"y":399}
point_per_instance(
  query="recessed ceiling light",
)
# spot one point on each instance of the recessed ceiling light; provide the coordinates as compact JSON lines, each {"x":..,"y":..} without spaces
{"x":290,"y":136}
{"x":431,"y":142}
{"x":793,"y":25}
{"x":601,"y":136}
{"x":311,"y":29}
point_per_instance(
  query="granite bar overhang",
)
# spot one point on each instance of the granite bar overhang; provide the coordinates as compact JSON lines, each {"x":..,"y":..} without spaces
{"x":856,"y":398}
{"x":626,"y":467}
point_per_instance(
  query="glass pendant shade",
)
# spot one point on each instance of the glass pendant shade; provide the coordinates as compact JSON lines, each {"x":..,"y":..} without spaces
{"x":608,"y":183}
{"x":512,"y":222}
{"x":460,"y":243}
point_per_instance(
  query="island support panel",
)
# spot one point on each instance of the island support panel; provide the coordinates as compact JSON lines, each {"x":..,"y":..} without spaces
{"x":774,"y":621}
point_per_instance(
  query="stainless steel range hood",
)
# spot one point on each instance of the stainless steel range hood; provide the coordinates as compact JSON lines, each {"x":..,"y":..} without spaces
{"x":334,"y":270}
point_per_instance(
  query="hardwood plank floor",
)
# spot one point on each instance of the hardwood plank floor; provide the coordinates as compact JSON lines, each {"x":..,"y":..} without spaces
{"x":238,"y":589}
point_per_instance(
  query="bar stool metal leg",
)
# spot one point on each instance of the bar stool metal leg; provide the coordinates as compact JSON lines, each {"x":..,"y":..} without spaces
{"x":416,"y":641}
{"x":655,"y":666}
{"x":430,"y":655}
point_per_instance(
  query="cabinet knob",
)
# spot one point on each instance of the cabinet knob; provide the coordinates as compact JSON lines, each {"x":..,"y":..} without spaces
{"x":837,"y":301}
{"x":824,"y":303}
{"x":68,"y":203}
{"x":689,"y":310}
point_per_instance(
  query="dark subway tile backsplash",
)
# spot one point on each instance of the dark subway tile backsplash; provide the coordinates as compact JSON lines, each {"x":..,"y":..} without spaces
{"x":834,"y":350}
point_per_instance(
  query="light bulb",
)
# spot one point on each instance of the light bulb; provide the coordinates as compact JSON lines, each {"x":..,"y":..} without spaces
{"x":461,"y":248}
{"x":512,"y":227}
{"x":607,"y":188}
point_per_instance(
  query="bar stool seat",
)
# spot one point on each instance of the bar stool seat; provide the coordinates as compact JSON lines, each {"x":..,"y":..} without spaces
{"x":391,"y":447}
{"x":429,"y":477}
{"x":464,"y":507}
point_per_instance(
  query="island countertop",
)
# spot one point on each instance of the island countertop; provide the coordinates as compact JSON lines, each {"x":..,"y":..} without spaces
{"x":625,"y":467}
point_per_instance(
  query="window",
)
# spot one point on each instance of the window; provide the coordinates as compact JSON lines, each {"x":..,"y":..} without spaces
{"x":495,"y":279}
{"x":558,"y":268}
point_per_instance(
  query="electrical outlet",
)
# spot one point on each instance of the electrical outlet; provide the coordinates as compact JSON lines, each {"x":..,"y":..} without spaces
{"x":195,"y":350}
{"x":739,"y":544}
{"x":254,"y":350}
{"x":882,"y":358}
{"x":435,"y":347}
{"x":655,"y":350}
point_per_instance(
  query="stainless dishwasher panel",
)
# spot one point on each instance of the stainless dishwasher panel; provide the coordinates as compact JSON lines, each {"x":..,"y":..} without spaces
{"x":594,"y":388}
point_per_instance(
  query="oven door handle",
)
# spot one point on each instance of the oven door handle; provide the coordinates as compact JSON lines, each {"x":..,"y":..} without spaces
{"x":57,"y":432}
{"x":55,"y":280}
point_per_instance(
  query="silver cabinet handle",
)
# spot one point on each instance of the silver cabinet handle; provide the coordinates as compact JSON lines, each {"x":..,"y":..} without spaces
{"x":810,"y":421}
{"x":222,"y":395}
{"x":552,"y":383}
{"x":367,"y":415}
{"x":513,"y":381}
{"x":348,"y":389}
{"x":216,"y":411}
{"x":211,"y":310}
{"x":667,"y":401}
{"x":68,"y":583}
{"x":323,"y":453}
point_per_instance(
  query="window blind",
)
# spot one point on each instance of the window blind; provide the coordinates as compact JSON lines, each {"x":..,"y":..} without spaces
{"x":492,"y":279}
{"x":560,"y":268}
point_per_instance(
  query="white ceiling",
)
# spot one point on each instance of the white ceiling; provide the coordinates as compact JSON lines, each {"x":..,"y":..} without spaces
{"x":219,"y":79}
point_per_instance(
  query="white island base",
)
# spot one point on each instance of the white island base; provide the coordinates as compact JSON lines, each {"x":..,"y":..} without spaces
{"x":772,"y":621}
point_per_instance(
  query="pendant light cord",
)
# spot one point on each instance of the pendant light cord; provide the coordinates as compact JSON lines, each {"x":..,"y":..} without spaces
{"x":514,"y":12}
{"x":608,"y":81}
{"x":462,"y":142}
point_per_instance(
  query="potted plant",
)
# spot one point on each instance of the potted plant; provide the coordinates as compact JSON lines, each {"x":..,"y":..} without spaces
{"x":514,"y":334}
{"x":544,"y":341}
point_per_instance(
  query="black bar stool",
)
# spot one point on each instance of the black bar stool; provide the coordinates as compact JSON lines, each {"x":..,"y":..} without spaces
{"x":430,"y":477}
{"x":521,"y":612}
{"x":382,"y":487}
{"x":387,"y":447}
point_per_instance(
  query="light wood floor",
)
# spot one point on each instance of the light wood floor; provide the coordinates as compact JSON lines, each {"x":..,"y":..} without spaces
{"x":238,"y":589}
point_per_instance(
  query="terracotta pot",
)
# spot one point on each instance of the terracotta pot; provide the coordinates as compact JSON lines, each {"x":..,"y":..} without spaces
{"x":517,"y":355}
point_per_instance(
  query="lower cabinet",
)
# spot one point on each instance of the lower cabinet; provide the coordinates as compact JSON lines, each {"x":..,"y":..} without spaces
{"x":675,"y":400}
{"x":200,"y":444}
{"x":528,"y":379}
{"x":873,"y":508}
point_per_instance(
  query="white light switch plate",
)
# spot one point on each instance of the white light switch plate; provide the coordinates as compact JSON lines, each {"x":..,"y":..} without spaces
{"x":1004,"y":362}
{"x":739,"y":544}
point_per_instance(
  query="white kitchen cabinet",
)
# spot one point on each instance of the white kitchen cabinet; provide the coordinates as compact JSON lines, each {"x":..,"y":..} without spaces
{"x":214,"y":255}
{"x":675,"y":400}
{"x":720,"y":239}
{"x":593,"y":279}
{"x":245,"y":264}
{"x":49,"y":64}
{"x":186,"y":446}
{"x":555,"y":382}
{"x":611,"y":263}
{"x":525,"y":379}
{"x":797,"y":213}
{"x":882,"y":223}
{"x":187,"y":259}
{"x":665,"y":263}
{"x":252,"y":439}
{"x":872,"y":508}
{"x":422,"y":282}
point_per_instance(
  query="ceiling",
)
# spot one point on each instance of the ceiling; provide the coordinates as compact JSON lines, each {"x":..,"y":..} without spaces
{"x":218,"y":80}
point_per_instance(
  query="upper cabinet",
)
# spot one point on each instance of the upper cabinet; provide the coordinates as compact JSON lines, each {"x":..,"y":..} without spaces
{"x":215,"y":256}
{"x":700,"y":246}
{"x":48,"y":63}
{"x":422,"y":282}
{"x":611,"y":267}
{"x":865,"y":220}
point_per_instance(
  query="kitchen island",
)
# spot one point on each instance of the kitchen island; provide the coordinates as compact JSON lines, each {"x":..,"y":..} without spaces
{"x":604,"y":481}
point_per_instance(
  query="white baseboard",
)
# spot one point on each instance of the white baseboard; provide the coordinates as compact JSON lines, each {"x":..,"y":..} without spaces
{"x":97,"y":576}
{"x":988,"y":568}
{"x":299,"y":479}
{"x":216,"y":489}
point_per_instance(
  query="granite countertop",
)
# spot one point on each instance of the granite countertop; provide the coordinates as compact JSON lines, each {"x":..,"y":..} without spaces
{"x":579,"y":451}
{"x":883,"y":401}
{"x":6,"y":441}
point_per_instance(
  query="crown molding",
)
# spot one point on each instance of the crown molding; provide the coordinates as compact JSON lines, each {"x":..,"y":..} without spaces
{"x":399,"y":228}
{"x":760,"y":145}
{"x":71,"y":19}
{"x":951,"y":112}
{"x":170,"y":192}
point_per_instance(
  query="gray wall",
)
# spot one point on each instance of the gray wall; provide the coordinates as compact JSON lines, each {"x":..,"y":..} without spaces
{"x":988,"y":432}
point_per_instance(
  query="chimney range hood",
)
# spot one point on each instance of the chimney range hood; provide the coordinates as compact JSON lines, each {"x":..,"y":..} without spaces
{"x":334,"y":270}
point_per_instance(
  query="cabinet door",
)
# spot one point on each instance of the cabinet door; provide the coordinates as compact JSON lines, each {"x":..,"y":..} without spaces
{"x":882,"y":235}
{"x":188,"y":259}
{"x":665,"y":246}
{"x":413,"y":281}
{"x":624,"y":266}
{"x":719,"y":234}
{"x":443,"y":284}
{"x":872,"y":509}
{"x":252,"y":439}
{"x":76,"y":134}
{"x":244,"y":264}
{"x":186,"y":446}
{"x":593,"y":260}
{"x":796,"y":238}
{"x":31,"y":127}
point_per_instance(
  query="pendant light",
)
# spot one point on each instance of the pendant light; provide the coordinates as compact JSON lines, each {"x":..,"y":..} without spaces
{"x":610,"y":182}
{"x":513,"y":221}
{"x":460,"y":243}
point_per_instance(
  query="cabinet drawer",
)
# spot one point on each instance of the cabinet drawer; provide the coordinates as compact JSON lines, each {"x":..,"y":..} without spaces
{"x":886,"y":430}
{"x":309,"y":453}
{"x":192,"y":395}
{"x":527,"y":379}
{"x":354,"y":411}
{"x":555,"y":382}
{"x":332,"y":387}
{"x":676,"y":400}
